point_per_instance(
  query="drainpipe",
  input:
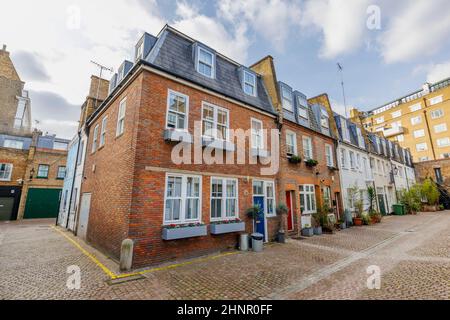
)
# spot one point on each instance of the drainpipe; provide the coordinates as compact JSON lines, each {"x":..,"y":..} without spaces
{"x":73,"y":180}
{"x":428,"y":129}
{"x":393,"y":179}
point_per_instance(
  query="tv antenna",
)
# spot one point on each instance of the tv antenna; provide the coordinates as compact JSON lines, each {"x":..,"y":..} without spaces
{"x":102,"y":68}
{"x":341,"y":71}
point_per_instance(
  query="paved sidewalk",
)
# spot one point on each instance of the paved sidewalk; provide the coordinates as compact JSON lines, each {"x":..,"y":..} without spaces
{"x":413,"y":253}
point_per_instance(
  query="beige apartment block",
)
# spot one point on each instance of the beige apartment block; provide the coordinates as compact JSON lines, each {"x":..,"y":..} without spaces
{"x":419,"y":121}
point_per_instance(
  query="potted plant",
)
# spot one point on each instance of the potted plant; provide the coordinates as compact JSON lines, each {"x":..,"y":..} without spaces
{"x":307,"y":231}
{"x":371,"y":195}
{"x":282,"y":210}
{"x":411,"y":199}
{"x":366,"y":219}
{"x":358,"y":220}
{"x":430,"y":193}
{"x":317,"y":230}
{"x":295,"y":159}
{"x":252,"y":213}
{"x":342,"y":224}
{"x":311,"y":163}
{"x":375,"y":216}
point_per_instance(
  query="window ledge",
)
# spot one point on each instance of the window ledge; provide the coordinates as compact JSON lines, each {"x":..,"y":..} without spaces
{"x":218,"y":144}
{"x":184,"y":232}
{"x":177,"y":136}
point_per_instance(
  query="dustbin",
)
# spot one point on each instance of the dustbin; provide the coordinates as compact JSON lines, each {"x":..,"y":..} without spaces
{"x":257,"y":242}
{"x":399,"y":209}
{"x":243,"y":242}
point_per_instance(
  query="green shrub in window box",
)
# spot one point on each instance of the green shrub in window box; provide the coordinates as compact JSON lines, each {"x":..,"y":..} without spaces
{"x":295,"y":159}
{"x":311,"y":163}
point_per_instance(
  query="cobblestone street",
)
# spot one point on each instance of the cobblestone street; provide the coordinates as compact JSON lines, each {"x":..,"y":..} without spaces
{"x":413,"y":253}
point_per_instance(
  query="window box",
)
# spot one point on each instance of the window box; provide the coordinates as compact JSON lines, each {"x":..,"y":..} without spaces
{"x":177,"y":136}
{"x":218,"y":144}
{"x":294,"y":159}
{"x":227,"y":227}
{"x":333,"y":168}
{"x":174,"y":232}
{"x":260,"y":153}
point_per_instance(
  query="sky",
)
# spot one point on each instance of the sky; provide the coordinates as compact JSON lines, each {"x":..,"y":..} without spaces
{"x":387,"y":48}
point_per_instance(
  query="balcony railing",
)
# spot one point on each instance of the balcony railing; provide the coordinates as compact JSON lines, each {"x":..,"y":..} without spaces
{"x":393,"y":131}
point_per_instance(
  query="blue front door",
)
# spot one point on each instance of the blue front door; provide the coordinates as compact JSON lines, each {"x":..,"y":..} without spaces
{"x":260,"y":222}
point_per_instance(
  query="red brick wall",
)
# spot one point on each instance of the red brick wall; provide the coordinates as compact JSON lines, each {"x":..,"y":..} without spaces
{"x":293,"y":175}
{"x":111,"y":182}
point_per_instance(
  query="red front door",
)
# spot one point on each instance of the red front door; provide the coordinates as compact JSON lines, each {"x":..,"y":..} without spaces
{"x":290,"y":217}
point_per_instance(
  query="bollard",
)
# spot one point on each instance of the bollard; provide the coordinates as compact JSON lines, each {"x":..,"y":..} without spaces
{"x":126,"y":255}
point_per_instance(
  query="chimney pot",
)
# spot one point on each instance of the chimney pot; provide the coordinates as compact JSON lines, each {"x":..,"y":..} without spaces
{"x":4,"y":47}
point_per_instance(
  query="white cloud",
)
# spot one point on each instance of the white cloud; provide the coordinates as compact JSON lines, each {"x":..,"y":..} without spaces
{"x":342,"y":23}
{"x":272,"y":19}
{"x":438,"y":72}
{"x":418,"y":29}
{"x":339,"y":107}
{"x":231,"y":42}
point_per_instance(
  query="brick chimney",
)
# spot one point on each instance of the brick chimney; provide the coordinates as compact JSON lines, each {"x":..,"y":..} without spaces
{"x":98,"y":92}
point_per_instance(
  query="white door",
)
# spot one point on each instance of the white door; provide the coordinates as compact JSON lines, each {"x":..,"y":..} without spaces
{"x":84,"y":215}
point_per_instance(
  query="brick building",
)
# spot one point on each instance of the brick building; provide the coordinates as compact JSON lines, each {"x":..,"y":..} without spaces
{"x":133,"y":186}
{"x":32,"y":171}
{"x":15,"y":115}
{"x":305,"y":132}
{"x":32,"y":166}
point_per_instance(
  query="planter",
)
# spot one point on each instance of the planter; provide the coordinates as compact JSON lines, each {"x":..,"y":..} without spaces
{"x":428,"y":208}
{"x":221,"y":228}
{"x":295,"y":160}
{"x":308,"y":232}
{"x":281,"y":237}
{"x":318,"y":231}
{"x":357,"y":221}
{"x":184,"y":232}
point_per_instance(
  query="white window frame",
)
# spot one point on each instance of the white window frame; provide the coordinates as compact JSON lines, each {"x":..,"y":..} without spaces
{"x":424,"y":145}
{"x":289,"y":99}
{"x":214,"y":122}
{"x":440,"y":115}
{"x":344,"y":158}
{"x":212,"y":66}
{"x":95,"y":138}
{"x":59,"y":170}
{"x":396,"y":114}
{"x":6,"y":170}
{"x":440,"y":144}
{"x":120,"y":127}
{"x":103,"y":132}
{"x":400,"y":138}
{"x":415,"y":107}
{"x":352,"y":160}
{"x":224,"y":198}
{"x":266,"y":198}
{"x":439,"y":128}
{"x":312,"y":197}
{"x":419,"y":133}
{"x":361,"y":142}
{"x":344,"y":129}
{"x":186,"y":114}
{"x":329,"y":155}
{"x":307,"y":145}
{"x":303,"y":113}
{"x":251,"y":84}
{"x":140,"y":52}
{"x":47,"y":172}
{"x":294,"y":145}
{"x":183,"y":199}
{"x":379,"y":120}
{"x":416,"y":120}
{"x":257,"y":134}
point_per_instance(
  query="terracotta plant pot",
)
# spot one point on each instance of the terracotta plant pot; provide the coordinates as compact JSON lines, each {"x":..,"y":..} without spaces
{"x":358,"y":221}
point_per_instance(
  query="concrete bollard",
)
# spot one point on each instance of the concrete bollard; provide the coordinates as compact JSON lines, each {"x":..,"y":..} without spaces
{"x":126,"y":255}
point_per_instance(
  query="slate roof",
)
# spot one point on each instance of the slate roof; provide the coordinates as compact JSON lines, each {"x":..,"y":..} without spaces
{"x":313,"y":110}
{"x":174,"y":53}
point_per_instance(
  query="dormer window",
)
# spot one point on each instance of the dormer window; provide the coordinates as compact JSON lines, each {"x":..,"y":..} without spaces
{"x":324,"y":119}
{"x":140,"y":52}
{"x":250,"y":83}
{"x":345,"y":133}
{"x":205,"y":62}
{"x":286,"y":97}
{"x":302,"y":107}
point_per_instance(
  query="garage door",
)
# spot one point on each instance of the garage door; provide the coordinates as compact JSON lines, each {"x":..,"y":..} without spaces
{"x":42,"y":203}
{"x":6,"y":208}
